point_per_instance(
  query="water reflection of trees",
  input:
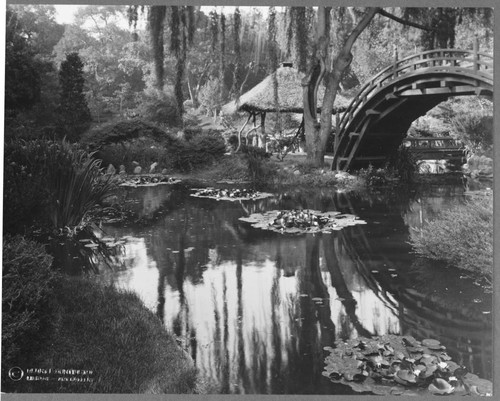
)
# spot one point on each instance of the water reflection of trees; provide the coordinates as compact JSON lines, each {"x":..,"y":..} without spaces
{"x":279,"y":349}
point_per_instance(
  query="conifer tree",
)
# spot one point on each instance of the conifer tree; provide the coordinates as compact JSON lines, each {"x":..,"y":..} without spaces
{"x":74,"y":111}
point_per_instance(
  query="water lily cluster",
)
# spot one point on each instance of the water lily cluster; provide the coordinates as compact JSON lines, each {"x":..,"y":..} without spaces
{"x":145,"y":180}
{"x":301,"y":221}
{"x":232,"y":194}
{"x":396,"y":365}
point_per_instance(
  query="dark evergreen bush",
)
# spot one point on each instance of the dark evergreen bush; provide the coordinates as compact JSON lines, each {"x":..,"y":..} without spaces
{"x":203,"y":149}
{"x":74,"y":112}
{"x":24,"y":194}
{"x":127,"y":130}
{"x":159,"y":107}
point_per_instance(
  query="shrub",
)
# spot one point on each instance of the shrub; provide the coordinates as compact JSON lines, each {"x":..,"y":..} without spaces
{"x":144,"y":151}
{"x":158,"y":106}
{"x":27,"y":290}
{"x":260,"y":169}
{"x":229,"y":167}
{"x":253,"y":151}
{"x":404,"y":164}
{"x":475,"y":129}
{"x":461,"y":237}
{"x":203,"y":149}
{"x":376,"y":177}
{"x":118,"y":132}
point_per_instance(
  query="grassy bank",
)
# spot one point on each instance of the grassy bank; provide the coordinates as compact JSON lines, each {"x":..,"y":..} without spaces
{"x":76,"y":323}
{"x":461,"y":237}
{"x":112,"y":334}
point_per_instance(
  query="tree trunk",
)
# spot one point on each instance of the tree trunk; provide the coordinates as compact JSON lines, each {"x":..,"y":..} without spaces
{"x":315,"y":154}
{"x":317,"y":133}
{"x":192,"y":92}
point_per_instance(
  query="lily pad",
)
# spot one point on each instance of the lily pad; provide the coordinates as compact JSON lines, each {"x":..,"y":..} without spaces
{"x":440,"y":387}
{"x":149,"y":181}
{"x":234,"y":194}
{"x":405,"y":377}
{"x":431,"y":344}
{"x":301,"y":221}
{"x":382,"y":365}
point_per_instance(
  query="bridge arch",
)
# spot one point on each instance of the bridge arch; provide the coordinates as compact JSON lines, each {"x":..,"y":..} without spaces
{"x":380,"y":114}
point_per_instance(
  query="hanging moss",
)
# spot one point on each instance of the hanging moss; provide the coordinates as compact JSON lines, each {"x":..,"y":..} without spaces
{"x":191,"y":24}
{"x":222,"y":54}
{"x":175,"y":40}
{"x":237,"y":53}
{"x":300,"y":23}
{"x":156,"y":20}
{"x":273,"y":62}
{"x":214,"y":29}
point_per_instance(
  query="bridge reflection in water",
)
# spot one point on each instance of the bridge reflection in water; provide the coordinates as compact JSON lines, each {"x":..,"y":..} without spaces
{"x":255,"y":309}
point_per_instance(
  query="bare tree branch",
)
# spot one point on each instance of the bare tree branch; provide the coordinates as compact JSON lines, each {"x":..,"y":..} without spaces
{"x":403,"y":21}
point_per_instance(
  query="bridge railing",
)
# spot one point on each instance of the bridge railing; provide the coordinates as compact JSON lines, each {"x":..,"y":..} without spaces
{"x":425,"y":143}
{"x":435,"y":60}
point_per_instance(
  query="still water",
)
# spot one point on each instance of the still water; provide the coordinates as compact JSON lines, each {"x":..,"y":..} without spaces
{"x":254,"y":309}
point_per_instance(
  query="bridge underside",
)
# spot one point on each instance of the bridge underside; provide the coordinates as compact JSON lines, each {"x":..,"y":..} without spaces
{"x":378,"y":129}
{"x":386,"y":133}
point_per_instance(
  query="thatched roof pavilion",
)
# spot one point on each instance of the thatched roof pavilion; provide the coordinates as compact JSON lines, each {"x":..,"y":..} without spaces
{"x":260,"y":99}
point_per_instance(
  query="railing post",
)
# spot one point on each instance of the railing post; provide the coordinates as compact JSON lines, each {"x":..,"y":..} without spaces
{"x":395,"y":65}
{"x":337,"y":133}
{"x":475,"y":50}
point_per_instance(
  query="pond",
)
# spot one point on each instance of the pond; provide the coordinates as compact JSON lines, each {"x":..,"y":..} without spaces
{"x":255,"y":309}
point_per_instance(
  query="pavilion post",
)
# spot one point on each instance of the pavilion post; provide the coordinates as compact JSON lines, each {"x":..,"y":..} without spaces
{"x":240,"y":132}
{"x":254,"y":139}
{"x":263,"y":137}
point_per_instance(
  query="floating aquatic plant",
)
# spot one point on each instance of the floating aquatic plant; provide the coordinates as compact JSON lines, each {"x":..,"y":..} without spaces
{"x":235,"y":194}
{"x":400,"y":365}
{"x":147,"y":181}
{"x":301,"y":221}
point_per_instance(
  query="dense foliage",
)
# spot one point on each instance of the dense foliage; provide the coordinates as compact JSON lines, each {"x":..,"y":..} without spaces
{"x":474,"y":126}
{"x":135,"y":143}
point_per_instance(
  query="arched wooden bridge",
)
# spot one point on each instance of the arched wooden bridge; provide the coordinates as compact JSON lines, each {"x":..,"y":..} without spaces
{"x":379,"y":116}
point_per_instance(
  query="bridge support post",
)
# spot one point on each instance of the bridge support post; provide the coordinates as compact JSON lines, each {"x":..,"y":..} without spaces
{"x":475,"y":49}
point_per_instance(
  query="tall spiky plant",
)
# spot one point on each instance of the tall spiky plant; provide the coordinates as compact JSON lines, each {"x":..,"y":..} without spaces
{"x":75,"y":184}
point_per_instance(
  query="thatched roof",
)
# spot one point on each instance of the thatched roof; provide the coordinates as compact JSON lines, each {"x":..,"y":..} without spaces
{"x":261,"y":97}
